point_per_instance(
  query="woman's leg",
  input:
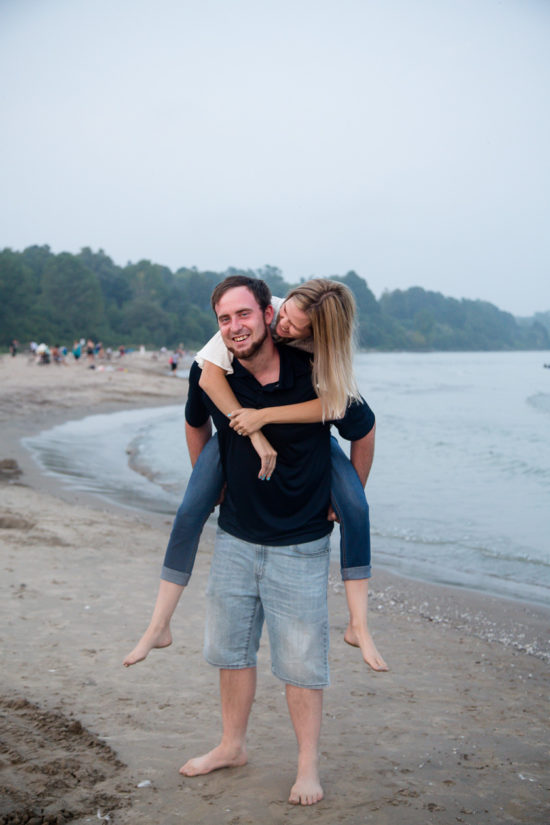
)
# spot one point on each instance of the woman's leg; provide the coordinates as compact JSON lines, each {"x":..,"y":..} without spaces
{"x":201,"y":496}
{"x":158,"y":633}
{"x":357,"y":632}
{"x":350,"y":504}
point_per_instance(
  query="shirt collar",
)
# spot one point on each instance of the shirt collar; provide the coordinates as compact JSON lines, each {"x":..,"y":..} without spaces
{"x":286,"y":373}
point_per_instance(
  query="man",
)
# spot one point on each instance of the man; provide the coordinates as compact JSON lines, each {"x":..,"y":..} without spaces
{"x":272,"y":549}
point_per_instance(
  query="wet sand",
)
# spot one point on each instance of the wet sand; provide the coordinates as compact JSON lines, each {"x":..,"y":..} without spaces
{"x":457,"y":731}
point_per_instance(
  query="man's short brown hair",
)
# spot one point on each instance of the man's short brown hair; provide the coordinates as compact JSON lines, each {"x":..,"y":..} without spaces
{"x":258,"y":288}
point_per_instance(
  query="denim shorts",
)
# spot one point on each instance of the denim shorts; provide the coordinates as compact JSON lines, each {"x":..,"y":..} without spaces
{"x":286,"y":586}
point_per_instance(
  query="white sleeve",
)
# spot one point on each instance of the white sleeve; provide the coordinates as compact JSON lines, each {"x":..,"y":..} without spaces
{"x":217,"y":353}
{"x":277,"y":303}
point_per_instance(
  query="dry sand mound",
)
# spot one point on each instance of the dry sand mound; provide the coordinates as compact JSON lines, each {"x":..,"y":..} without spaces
{"x":53,"y":769}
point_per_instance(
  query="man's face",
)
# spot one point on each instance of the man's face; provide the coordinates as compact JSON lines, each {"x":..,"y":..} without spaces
{"x":242,"y":323}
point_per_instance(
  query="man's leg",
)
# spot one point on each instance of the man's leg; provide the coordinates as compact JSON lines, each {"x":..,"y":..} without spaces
{"x":234,"y":620}
{"x":293,"y":588}
{"x":237,"y":689}
{"x":305,"y":706}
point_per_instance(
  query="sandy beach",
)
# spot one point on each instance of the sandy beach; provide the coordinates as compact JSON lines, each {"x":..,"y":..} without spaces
{"x":457,"y":731}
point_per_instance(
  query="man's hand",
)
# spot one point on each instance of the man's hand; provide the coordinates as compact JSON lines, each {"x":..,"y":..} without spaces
{"x":268,"y":456}
{"x":221,"y":498}
{"x":332,"y":515}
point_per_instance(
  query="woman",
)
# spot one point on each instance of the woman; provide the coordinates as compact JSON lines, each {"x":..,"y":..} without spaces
{"x":317,"y":316}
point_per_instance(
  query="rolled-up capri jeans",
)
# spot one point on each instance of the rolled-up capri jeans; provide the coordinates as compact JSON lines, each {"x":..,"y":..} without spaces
{"x":202,"y":494}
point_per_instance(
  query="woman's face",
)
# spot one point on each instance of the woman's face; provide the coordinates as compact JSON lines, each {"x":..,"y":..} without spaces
{"x":292,"y":322}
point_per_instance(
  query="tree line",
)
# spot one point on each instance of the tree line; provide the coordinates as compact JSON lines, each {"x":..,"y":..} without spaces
{"x":57,"y":298}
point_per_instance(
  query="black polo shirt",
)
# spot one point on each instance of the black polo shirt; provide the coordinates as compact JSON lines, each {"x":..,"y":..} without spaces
{"x":291,"y":508}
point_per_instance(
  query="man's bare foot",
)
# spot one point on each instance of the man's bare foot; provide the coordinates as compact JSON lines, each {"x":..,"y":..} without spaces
{"x":306,"y":790}
{"x":362,"y":639}
{"x":150,"y":639}
{"x":220,"y":757}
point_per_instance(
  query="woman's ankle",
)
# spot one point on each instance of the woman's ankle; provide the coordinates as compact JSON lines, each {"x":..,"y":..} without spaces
{"x":358,"y":625}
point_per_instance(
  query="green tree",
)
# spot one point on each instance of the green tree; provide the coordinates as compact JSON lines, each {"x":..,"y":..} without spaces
{"x":274,"y":279}
{"x":195,"y":288}
{"x":17,"y":298}
{"x":364,"y":297}
{"x":150,"y":281}
{"x":146,"y":321}
{"x":36,"y":258}
{"x":115,"y":284}
{"x":71,"y":298}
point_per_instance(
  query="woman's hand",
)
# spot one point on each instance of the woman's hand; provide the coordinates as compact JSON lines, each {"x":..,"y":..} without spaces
{"x":268,"y":455}
{"x":246,"y":421}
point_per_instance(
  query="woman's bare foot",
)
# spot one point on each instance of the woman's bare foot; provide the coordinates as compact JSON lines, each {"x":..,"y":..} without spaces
{"x":152,"y":638}
{"x":362,"y":639}
{"x":306,"y":790}
{"x":220,"y":757}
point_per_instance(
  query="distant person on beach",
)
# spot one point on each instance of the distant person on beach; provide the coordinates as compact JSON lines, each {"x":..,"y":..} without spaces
{"x":90,"y":353}
{"x":77,"y":350}
{"x":284,"y":523}
{"x":174,"y":361}
{"x":57,"y":356}
{"x":14,"y":346}
{"x":43,"y":354}
{"x":318,"y":316}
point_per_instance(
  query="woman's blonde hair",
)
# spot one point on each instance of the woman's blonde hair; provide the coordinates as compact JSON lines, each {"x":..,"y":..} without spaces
{"x":330,"y":307}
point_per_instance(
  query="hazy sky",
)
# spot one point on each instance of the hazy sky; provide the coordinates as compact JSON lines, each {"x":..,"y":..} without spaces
{"x":408,"y":140}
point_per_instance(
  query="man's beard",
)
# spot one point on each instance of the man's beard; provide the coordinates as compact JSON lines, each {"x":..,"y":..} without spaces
{"x":252,"y":349}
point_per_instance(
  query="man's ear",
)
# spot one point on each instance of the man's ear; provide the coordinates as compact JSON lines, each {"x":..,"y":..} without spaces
{"x":269,"y":314}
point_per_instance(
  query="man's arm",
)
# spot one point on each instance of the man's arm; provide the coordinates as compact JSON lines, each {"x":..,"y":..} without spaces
{"x":362,"y":455}
{"x":197,"y":438}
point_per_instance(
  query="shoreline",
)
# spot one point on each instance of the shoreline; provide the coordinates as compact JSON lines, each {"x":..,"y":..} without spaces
{"x":492,"y":617}
{"x":16,"y":426}
{"x":456,"y":731}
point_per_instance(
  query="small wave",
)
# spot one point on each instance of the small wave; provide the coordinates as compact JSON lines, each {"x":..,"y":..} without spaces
{"x":520,"y":558}
{"x":435,"y":388}
{"x":462,"y":544}
{"x":540,"y":401}
{"x":91,"y":455}
{"x":517,"y":466}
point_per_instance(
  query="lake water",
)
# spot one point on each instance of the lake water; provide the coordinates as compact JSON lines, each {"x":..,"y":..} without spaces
{"x":460,"y":486}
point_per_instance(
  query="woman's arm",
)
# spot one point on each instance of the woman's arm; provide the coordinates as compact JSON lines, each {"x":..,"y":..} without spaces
{"x":216,"y":386}
{"x":247,"y":421}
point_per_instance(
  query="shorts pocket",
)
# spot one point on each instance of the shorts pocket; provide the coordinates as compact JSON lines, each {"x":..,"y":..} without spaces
{"x":318,"y":547}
